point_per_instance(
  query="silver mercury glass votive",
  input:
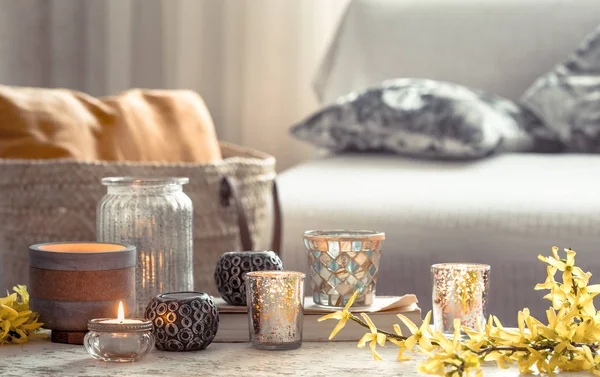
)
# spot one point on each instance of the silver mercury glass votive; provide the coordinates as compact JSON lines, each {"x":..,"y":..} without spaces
{"x":275,"y":302}
{"x":460,"y":290}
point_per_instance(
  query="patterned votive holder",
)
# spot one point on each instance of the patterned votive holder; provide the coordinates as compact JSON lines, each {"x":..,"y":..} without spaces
{"x":231,"y":270}
{"x":183,"y":321}
{"x":275,"y":309}
{"x":459,"y":291}
{"x":342,"y":262}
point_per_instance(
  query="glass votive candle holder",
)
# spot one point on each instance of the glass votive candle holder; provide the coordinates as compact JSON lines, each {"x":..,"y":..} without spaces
{"x":119,"y":340}
{"x":275,"y":302}
{"x":341,"y":263}
{"x":460,"y":291}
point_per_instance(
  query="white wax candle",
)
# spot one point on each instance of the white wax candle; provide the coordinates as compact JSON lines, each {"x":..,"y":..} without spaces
{"x":121,"y":321}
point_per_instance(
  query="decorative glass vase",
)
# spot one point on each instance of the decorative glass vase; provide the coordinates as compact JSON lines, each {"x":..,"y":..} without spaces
{"x":154,"y":215}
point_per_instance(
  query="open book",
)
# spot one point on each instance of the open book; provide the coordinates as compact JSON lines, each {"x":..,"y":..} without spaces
{"x":233,"y":320}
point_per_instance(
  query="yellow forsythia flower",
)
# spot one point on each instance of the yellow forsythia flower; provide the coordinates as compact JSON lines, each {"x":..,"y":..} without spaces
{"x":17,"y":322}
{"x":342,"y":315}
{"x":373,"y":338}
{"x":569,"y":340}
{"x":420,"y":335}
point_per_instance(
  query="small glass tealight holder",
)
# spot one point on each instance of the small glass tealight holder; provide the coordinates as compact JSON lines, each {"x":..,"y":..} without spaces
{"x":119,"y":340}
{"x":460,"y":290}
{"x":275,"y":302}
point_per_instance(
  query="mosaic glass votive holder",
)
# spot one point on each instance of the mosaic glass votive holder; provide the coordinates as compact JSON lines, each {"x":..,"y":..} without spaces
{"x":342,"y":262}
{"x":275,"y":309}
{"x":459,"y":291}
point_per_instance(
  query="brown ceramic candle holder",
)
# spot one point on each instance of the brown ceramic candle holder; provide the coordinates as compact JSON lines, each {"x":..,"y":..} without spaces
{"x":72,"y":283}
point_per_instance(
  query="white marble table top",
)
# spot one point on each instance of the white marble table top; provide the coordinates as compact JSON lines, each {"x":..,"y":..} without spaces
{"x":43,"y":358}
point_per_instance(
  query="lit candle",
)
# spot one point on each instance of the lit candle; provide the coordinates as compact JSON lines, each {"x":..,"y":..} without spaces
{"x":119,"y":339}
{"x":121,"y":343}
{"x":121,"y":317}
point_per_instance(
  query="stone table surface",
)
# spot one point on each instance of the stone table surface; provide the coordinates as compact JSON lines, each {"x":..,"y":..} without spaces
{"x":43,"y":358}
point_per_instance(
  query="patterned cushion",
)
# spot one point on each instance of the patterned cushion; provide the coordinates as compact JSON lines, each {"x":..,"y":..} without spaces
{"x":568,"y":97}
{"x":425,"y":118}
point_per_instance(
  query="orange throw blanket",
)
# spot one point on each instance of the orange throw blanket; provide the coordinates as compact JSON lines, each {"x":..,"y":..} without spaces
{"x":136,"y":125}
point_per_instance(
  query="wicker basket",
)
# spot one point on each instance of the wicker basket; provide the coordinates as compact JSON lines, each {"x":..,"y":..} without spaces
{"x":55,"y":200}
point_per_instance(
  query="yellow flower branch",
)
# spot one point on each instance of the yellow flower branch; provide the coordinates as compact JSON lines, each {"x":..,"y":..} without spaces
{"x":389,"y":335}
{"x":570,"y":341}
{"x":17,"y":322}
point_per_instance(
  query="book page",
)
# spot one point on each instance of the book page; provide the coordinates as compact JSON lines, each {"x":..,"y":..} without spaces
{"x":381,"y":304}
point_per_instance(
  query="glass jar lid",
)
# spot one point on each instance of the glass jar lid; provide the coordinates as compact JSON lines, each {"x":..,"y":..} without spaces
{"x":144,"y":181}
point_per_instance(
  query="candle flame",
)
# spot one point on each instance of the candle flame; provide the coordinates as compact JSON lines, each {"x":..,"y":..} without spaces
{"x":121,"y":312}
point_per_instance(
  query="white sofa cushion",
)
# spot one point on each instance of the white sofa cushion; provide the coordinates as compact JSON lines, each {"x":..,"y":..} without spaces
{"x":567,"y":99}
{"x":499,"y":46}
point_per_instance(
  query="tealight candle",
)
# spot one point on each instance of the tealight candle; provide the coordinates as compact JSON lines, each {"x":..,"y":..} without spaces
{"x":119,"y":339}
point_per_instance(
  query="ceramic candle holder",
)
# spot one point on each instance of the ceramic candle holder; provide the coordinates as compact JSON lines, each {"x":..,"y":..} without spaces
{"x":72,"y":283}
{"x":459,"y":291}
{"x":183,"y":321}
{"x":232,"y":267}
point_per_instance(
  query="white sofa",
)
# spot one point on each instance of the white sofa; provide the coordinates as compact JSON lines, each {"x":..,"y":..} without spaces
{"x":503,"y":210}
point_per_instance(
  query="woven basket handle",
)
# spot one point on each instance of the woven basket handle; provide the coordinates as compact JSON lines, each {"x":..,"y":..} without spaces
{"x":230,"y":190}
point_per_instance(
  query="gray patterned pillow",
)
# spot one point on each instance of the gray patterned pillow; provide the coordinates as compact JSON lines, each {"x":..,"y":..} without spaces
{"x":568,"y":98}
{"x":425,"y":118}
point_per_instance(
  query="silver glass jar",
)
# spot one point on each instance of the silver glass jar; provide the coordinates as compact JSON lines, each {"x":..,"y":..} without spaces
{"x":154,"y":215}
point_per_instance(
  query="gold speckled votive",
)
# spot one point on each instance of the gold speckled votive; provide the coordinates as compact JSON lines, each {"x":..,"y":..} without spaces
{"x":275,"y":308}
{"x":459,"y":291}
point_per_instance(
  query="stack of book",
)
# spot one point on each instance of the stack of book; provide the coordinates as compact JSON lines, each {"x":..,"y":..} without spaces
{"x":233,"y":320}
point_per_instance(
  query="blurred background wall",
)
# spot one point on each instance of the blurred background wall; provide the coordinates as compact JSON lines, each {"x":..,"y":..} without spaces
{"x":252,"y":60}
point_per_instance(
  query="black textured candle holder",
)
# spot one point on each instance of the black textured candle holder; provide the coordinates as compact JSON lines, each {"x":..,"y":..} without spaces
{"x":183,"y":321}
{"x":231,"y":267}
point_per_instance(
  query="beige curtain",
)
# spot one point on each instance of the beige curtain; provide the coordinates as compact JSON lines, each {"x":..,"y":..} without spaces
{"x":252,"y":60}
